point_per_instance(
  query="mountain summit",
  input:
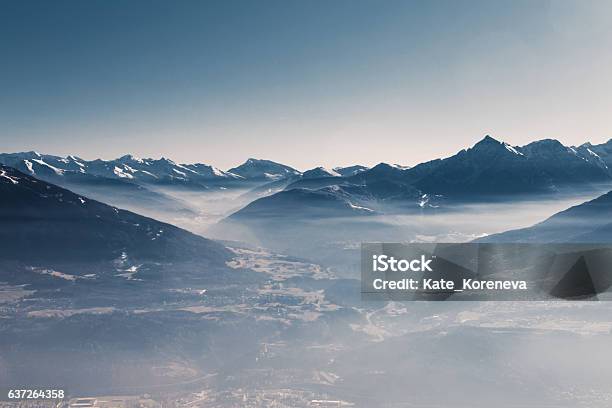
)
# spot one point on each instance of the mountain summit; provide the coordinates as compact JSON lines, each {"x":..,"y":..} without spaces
{"x":492,"y":167}
{"x":256,"y":169}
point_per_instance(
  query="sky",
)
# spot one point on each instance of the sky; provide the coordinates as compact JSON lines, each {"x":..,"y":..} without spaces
{"x":306,"y":83}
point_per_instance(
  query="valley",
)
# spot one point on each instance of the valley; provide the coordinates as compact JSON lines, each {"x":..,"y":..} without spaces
{"x":267,"y":309}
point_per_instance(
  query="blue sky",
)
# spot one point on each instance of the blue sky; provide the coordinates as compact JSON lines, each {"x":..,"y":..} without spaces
{"x":303,"y":82}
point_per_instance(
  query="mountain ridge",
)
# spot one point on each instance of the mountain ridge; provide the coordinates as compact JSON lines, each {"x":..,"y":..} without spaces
{"x":489,"y":170}
{"x":44,"y":221}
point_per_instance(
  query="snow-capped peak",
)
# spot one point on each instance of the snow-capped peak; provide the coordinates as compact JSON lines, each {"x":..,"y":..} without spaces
{"x":319,"y":172}
{"x":130,"y":158}
{"x":331,"y":172}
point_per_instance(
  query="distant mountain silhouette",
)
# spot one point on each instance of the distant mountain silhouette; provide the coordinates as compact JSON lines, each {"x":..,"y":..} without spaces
{"x":490,"y":170}
{"x":255,"y":169}
{"x":303,"y":203}
{"x":350,"y":170}
{"x":492,"y":167}
{"x":320,"y":172}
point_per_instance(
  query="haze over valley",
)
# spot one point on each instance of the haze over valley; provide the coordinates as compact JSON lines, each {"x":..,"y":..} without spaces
{"x":213,"y":287}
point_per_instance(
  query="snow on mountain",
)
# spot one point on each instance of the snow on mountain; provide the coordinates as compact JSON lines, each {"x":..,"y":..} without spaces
{"x":600,"y":154}
{"x":491,"y":169}
{"x":399,"y":166}
{"x":255,"y":169}
{"x":12,"y":179}
{"x":35,"y":163}
{"x":319,"y":172}
{"x":211,"y":171}
{"x":127,"y":168}
{"x":350,"y":170}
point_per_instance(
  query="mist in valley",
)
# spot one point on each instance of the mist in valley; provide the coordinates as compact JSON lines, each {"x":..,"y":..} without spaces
{"x":284,"y":320}
{"x":335,"y":242}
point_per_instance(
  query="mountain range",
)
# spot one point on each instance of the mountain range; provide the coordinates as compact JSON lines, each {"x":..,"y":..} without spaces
{"x":492,"y":167}
{"x":161,"y":171}
{"x":141,"y":185}
{"x":490,"y":170}
{"x":126,"y":168}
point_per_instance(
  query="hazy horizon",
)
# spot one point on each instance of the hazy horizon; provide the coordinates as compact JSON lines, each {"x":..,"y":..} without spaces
{"x":303,"y":83}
